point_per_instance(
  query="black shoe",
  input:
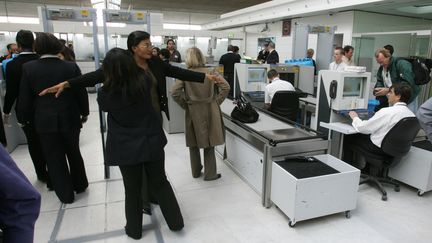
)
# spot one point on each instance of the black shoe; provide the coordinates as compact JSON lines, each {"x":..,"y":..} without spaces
{"x":176,"y":228}
{"x":215,"y":178}
{"x":80,"y":190}
{"x":135,"y":235}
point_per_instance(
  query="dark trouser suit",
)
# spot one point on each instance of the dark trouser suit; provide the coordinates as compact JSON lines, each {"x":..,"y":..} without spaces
{"x":36,"y":153}
{"x":65,"y":177}
{"x":158,"y":183}
{"x":361,"y":140}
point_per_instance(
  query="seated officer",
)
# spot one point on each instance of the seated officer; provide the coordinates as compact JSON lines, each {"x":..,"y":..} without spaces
{"x":275,"y":85}
{"x":372,"y":131}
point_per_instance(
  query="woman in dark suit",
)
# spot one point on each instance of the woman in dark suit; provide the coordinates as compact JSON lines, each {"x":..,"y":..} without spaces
{"x":57,"y":121}
{"x":135,"y":139}
{"x":139,"y":45}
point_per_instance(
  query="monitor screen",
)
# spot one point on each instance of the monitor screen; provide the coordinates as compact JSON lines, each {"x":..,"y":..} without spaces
{"x":287,"y":77}
{"x":257,"y":75}
{"x":352,"y":87}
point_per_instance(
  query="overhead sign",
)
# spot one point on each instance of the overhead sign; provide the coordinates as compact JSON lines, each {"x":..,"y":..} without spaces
{"x":127,"y":17}
{"x":68,"y":14}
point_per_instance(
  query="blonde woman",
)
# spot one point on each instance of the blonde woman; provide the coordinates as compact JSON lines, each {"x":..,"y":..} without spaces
{"x":203,"y":118}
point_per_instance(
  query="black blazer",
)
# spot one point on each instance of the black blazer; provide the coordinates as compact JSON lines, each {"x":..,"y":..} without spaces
{"x":228,"y":60}
{"x":159,"y":69}
{"x":135,"y":132}
{"x":13,"y":79}
{"x":50,"y":114}
{"x":273,"y":57}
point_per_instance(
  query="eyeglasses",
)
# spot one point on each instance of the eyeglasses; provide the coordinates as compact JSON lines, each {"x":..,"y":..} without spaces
{"x":146,"y":45}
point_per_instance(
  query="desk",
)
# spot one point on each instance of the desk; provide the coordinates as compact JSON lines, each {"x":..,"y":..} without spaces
{"x":307,"y":104}
{"x":343,"y":129}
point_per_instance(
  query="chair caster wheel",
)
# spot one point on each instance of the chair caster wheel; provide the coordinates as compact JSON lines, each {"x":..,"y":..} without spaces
{"x":347,"y":214}
{"x":291,"y":223}
{"x":420,"y":193}
{"x":384,"y":197}
{"x":397,"y":188}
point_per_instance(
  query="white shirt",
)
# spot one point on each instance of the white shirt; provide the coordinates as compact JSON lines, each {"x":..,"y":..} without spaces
{"x":381,"y":123}
{"x":386,"y":78}
{"x":275,"y":86}
{"x":337,"y":67}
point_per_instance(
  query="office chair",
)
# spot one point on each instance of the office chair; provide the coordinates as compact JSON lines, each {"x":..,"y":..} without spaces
{"x":395,"y":145}
{"x":286,"y":104}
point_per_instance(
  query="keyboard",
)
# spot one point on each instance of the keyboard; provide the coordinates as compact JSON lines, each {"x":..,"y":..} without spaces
{"x":362,"y":114}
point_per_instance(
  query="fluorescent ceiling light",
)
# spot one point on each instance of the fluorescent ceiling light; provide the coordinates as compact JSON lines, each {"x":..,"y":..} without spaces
{"x":182,"y":26}
{"x":115,"y":25}
{"x":19,"y":20}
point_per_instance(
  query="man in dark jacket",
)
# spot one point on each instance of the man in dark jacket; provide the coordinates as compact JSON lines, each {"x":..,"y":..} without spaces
{"x":273,"y":56}
{"x":25,"y":41}
{"x":393,"y":70}
{"x":228,"y":60}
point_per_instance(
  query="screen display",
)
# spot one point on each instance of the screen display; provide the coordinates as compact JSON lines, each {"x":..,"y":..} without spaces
{"x":352,"y":87}
{"x":257,"y":75}
{"x":287,"y":77}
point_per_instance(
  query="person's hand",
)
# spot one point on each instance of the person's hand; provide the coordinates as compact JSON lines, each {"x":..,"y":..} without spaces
{"x":6,"y":120}
{"x":381,"y":91}
{"x":353,"y":114}
{"x":217,"y":78}
{"x":57,"y":89}
{"x":84,"y":119}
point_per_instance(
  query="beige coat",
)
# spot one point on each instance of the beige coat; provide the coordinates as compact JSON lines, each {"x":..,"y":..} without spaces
{"x":203,"y":117}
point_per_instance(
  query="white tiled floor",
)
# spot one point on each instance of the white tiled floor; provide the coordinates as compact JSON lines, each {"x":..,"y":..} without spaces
{"x":226,"y":210}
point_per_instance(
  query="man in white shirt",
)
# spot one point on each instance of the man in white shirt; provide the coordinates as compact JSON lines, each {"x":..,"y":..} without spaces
{"x":337,"y":64}
{"x":275,"y":85}
{"x":373,"y":131}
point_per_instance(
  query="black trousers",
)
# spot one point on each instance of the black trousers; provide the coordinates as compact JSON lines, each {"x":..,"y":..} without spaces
{"x":36,"y":153}
{"x":68,"y":175}
{"x":157,"y":183}
{"x":361,"y":140}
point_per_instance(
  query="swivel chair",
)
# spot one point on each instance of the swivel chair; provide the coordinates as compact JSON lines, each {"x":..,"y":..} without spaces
{"x":286,"y":104}
{"x":394,"y":146}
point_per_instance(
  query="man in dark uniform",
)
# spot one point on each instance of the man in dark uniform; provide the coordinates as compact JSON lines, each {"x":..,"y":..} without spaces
{"x":228,"y":60}
{"x":273,"y":56}
{"x":25,"y":41}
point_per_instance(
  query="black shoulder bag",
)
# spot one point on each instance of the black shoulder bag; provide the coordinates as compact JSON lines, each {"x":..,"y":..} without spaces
{"x":244,"y":111}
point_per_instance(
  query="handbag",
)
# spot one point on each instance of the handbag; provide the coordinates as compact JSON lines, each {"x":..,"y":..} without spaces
{"x":244,"y":112}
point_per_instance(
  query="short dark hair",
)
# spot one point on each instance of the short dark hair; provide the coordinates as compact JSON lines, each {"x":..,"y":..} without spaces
{"x":389,"y":48}
{"x":135,"y":38}
{"x":348,"y":48}
{"x":272,"y":74}
{"x":122,"y":75}
{"x":170,"y":40}
{"x":47,"y":43}
{"x":402,"y":89}
{"x":9,"y":46}
{"x":236,"y":48}
{"x":68,"y":54}
{"x":165,"y":53}
{"x":157,"y":50}
{"x":63,"y":41}
{"x":25,"y":39}
{"x":230,"y":48}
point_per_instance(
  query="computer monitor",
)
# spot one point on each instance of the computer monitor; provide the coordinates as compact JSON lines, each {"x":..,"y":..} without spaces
{"x":353,"y":87}
{"x":250,"y":77}
{"x":257,"y":75}
{"x":345,"y":90}
{"x":289,"y":77}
